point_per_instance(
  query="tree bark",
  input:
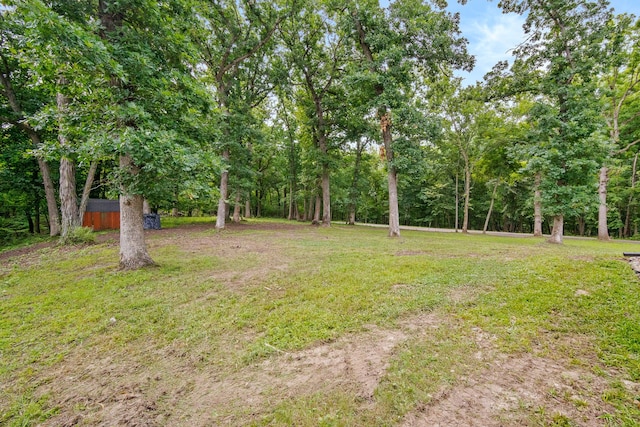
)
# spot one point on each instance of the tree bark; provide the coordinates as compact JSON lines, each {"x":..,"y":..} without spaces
{"x":133,"y":248}
{"x":352,"y":216}
{"x":558,"y":230}
{"x":146,"y":209}
{"x":603,"y":229}
{"x":457,"y":220}
{"x":68,"y":195}
{"x":27,"y":214}
{"x":247,"y":207}
{"x":353,"y":196}
{"x":86,"y":191}
{"x":392,"y":175}
{"x":50,"y":195}
{"x":45,"y":172}
{"x":467,"y":194}
{"x":36,"y":204}
{"x":293,"y":169}
{"x":307,"y":209}
{"x":627,"y":219}
{"x":537,"y":206}
{"x":326,"y":197}
{"x":493,"y":198}
{"x":316,"y":213}
{"x":259,"y":195}
{"x":385,"y":127}
{"x":224,"y":183}
{"x":291,"y":214}
{"x":236,"y":208}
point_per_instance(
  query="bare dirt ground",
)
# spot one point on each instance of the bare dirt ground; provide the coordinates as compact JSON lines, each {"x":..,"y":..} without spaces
{"x":504,"y":392}
{"x":168,"y":387}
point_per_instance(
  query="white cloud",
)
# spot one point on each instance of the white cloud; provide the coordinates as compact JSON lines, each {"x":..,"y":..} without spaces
{"x":492,"y":37}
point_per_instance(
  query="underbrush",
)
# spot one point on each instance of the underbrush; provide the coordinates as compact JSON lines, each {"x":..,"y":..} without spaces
{"x":14,"y":233}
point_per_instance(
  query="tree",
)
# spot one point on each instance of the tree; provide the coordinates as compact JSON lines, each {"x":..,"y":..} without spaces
{"x":462,"y":112}
{"x":317,"y":51}
{"x":229,"y":34}
{"x":154,"y":90}
{"x":14,"y":77}
{"x":560,"y":58}
{"x":621,"y":82}
{"x":394,"y":42}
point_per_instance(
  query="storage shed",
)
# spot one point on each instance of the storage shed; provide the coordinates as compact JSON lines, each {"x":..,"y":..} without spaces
{"x":102,"y":214}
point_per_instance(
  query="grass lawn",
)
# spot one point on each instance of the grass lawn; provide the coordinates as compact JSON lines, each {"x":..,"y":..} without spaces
{"x":282,"y":323}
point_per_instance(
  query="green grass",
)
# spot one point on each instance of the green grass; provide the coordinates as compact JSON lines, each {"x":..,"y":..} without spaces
{"x":230,"y":300}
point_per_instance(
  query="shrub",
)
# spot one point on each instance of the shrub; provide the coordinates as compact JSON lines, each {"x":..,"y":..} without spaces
{"x":80,"y":235}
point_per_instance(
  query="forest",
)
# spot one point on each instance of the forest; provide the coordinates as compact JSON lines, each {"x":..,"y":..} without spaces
{"x":319,"y":111}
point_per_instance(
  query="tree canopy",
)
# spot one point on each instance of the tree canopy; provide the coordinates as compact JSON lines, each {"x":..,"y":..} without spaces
{"x":316,"y":110}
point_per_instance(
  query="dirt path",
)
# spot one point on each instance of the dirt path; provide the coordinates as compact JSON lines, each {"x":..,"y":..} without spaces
{"x":488,"y":233}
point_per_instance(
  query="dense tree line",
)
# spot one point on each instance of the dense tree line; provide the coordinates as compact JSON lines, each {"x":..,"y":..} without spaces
{"x":316,"y":110}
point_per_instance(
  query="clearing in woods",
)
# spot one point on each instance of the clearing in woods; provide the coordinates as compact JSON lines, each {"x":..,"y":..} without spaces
{"x":277,"y":323}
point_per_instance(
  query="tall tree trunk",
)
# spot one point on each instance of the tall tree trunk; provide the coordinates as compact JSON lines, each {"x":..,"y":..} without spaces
{"x":27,"y":214}
{"x":45,"y":172}
{"x":146,"y":208}
{"x":352,"y":215}
{"x":236,"y":208}
{"x":392,"y":174}
{"x":36,"y":204}
{"x":316,"y":213}
{"x":467,"y":194}
{"x":68,"y":197}
{"x":293,"y":167}
{"x":86,"y":191}
{"x":493,"y":198}
{"x":50,"y":196}
{"x":259,"y":202}
{"x":224,"y":191}
{"x":326,"y":197}
{"x":68,"y":192}
{"x":558,"y":230}
{"x":385,"y":127}
{"x":537,"y":206}
{"x":291,"y":213}
{"x":627,"y":219}
{"x":133,"y":248}
{"x":603,"y":229}
{"x":353,"y":196}
{"x":308,"y":208}
{"x":457,"y":219}
{"x":247,"y":206}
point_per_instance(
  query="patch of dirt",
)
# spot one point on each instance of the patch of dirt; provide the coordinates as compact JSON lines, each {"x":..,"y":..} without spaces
{"x":514,"y":390}
{"x":466,"y":294}
{"x":354,"y":363}
{"x":412,"y":253}
{"x":117,"y":390}
{"x":12,"y":253}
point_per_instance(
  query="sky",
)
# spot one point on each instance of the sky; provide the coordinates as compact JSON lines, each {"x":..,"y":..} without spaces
{"x":492,"y":34}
